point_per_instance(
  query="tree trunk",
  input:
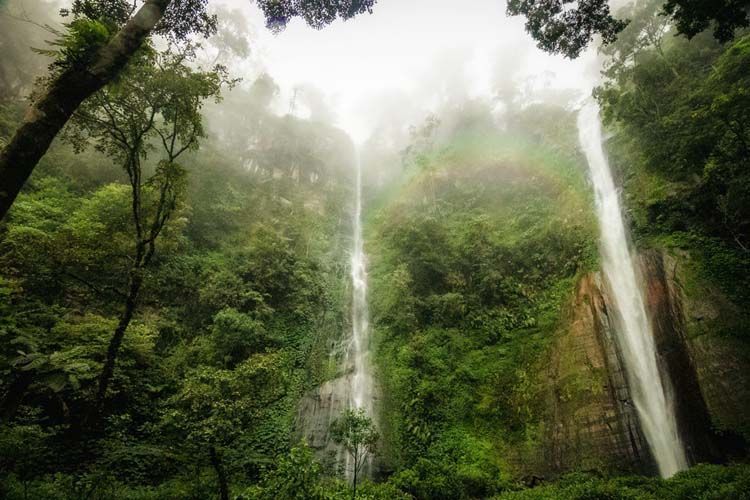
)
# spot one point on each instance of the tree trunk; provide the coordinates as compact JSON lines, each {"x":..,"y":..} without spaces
{"x":64,"y":94}
{"x":136,"y":280}
{"x":354,"y":487}
{"x":14,"y":396}
{"x":220,"y":474}
{"x":356,"y":473}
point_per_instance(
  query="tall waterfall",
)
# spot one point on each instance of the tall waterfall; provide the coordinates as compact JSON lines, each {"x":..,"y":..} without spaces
{"x":650,"y":389}
{"x":353,"y":387}
{"x":361,"y":391}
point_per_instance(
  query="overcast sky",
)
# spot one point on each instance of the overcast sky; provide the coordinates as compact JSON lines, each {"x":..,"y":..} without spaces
{"x":407,"y":53}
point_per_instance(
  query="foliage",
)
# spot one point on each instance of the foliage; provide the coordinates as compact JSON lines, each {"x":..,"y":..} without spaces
{"x":78,"y":45}
{"x":212,"y":405}
{"x":237,"y":310}
{"x":354,"y":430}
{"x":707,"y":482}
{"x":567,"y":27}
{"x":563,"y":30}
{"x":182,"y":18}
{"x":471,"y":262}
{"x":157,"y":98}
{"x":681,"y":110}
{"x":678,"y":113}
{"x":297,"y":477}
{"x":695,"y":16}
{"x":279,"y":12}
{"x":186,"y":17}
{"x":473,"y":257}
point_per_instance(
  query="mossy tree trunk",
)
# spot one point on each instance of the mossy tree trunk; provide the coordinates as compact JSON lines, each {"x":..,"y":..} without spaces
{"x":49,"y":114}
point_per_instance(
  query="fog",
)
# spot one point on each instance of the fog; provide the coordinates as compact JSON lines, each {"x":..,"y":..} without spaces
{"x":376,"y":77}
{"x":237,"y":261}
{"x":402,"y":62}
{"x":385,"y":70}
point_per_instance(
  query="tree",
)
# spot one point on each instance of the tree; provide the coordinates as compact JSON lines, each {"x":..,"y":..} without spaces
{"x":71,"y":83}
{"x":125,"y":30}
{"x":567,"y":26}
{"x":214,"y":407}
{"x":297,"y":477}
{"x":156,"y":101}
{"x":682,"y":109}
{"x":62,"y":252}
{"x":645,"y":31}
{"x":694,"y":16}
{"x":560,"y":29}
{"x":355,"y":431}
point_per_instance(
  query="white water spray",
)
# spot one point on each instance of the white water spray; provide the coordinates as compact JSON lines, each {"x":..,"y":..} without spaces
{"x":361,"y":395}
{"x":360,"y":392}
{"x":651,"y":393}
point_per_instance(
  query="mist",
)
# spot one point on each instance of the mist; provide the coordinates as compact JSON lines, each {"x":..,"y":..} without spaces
{"x":377,"y":77}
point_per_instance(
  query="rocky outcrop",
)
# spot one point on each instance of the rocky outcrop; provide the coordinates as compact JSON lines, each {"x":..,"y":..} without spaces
{"x":710,"y":372}
{"x":315,"y":413}
{"x":591,"y":420}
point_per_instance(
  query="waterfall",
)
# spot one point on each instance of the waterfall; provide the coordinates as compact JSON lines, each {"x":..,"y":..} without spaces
{"x":361,"y":392}
{"x":353,"y":387}
{"x":650,"y":389}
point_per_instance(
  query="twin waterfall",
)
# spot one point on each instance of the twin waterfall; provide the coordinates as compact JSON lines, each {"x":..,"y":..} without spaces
{"x":650,"y":388}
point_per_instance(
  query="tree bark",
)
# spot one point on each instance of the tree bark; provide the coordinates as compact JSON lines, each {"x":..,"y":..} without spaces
{"x":65,"y":93}
{"x":220,"y":474}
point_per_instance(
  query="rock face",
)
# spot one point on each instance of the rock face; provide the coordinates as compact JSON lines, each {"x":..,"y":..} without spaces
{"x":592,"y":422}
{"x":710,"y":375}
{"x":315,"y":413}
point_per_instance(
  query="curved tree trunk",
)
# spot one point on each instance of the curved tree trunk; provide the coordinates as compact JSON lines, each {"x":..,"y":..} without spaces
{"x":136,"y":280}
{"x":65,"y":93}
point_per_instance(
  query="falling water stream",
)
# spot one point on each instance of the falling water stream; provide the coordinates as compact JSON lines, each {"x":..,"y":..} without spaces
{"x":361,"y":392}
{"x":650,"y":390}
{"x":354,"y":386}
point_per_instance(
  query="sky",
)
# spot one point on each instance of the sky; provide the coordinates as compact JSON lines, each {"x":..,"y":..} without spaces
{"x":407,"y":54}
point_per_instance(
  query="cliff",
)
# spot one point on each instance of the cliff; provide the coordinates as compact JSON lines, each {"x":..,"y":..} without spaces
{"x":591,"y":421}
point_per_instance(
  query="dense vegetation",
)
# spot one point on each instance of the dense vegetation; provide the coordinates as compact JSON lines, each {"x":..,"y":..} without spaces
{"x":705,"y":482}
{"x":237,"y":306}
{"x":473,"y":261}
{"x":175,"y":272}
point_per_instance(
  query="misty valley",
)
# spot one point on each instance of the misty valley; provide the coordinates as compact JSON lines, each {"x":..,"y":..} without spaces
{"x":375,"y":249}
